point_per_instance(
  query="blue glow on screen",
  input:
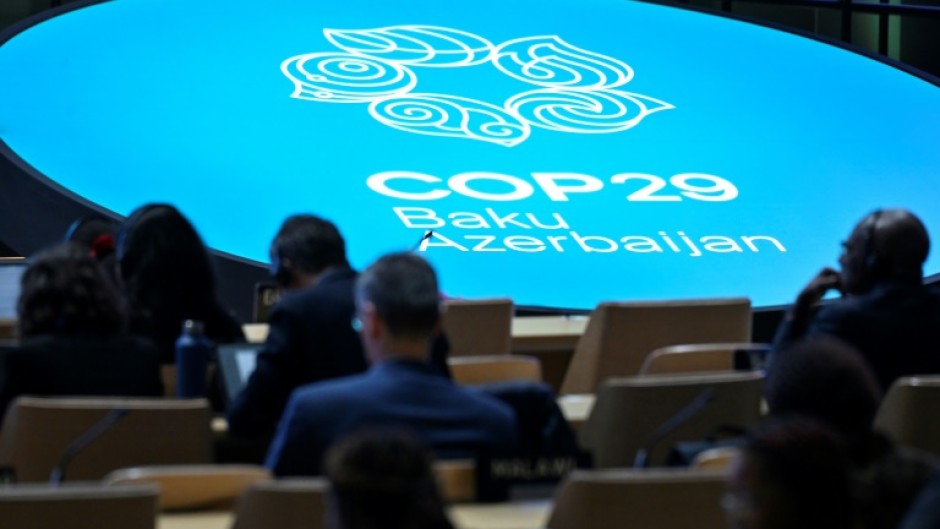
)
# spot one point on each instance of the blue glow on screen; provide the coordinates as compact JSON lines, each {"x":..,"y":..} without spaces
{"x":133,"y":101}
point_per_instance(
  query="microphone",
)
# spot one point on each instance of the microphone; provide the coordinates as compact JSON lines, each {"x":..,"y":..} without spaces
{"x":113,"y":417}
{"x":699,"y":403}
{"x":427,"y":235}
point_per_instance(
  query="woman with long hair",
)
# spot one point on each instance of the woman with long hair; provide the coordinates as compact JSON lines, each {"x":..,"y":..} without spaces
{"x":168,"y":279}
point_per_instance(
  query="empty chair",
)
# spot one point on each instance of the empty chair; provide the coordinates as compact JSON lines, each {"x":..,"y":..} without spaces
{"x":479,"y":326}
{"x":37,"y":432}
{"x":282,"y":504}
{"x":193,"y":487}
{"x":470,"y":370}
{"x":694,"y":358}
{"x":908,"y":413}
{"x":82,"y":506}
{"x":620,"y":335}
{"x":628,"y":412}
{"x":639,"y":499}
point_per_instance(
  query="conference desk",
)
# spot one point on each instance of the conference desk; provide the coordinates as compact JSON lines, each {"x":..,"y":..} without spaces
{"x":551,"y":339}
{"x":529,"y":514}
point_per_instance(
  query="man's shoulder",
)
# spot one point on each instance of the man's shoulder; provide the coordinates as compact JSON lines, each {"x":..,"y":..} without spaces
{"x":335,"y":288}
{"x":333,"y":392}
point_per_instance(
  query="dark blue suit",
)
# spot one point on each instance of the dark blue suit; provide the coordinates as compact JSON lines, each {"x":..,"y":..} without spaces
{"x":896,"y":327}
{"x":310,"y":338}
{"x":453,"y":421}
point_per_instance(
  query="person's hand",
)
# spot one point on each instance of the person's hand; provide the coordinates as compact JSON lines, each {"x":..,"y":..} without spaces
{"x":827,"y":279}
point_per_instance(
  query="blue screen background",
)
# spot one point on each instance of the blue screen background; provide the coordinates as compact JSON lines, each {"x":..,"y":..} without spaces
{"x":135,"y":101}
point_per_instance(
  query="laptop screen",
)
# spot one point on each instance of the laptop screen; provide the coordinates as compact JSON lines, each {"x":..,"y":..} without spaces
{"x":10,"y":272}
{"x":237,"y":362}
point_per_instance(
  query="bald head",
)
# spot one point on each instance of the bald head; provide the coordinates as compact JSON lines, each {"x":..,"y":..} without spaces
{"x":901,"y":240}
{"x":890,"y":244}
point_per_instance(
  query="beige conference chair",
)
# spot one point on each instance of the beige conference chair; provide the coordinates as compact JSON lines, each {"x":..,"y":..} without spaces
{"x":282,"y":504}
{"x":38,"y":431}
{"x":628,"y":412}
{"x":908,"y":412}
{"x":80,"y":506}
{"x":695,"y":358}
{"x":619,"y":336}
{"x":478,"y":326}
{"x":720,"y":458}
{"x":471,"y":370}
{"x":640,"y":499}
{"x":193,"y":487}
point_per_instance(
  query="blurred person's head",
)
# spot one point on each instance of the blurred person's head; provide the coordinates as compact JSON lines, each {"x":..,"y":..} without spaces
{"x":383,"y":480}
{"x":96,"y":233}
{"x":164,"y":265}
{"x":304,"y":247}
{"x":828,"y":380}
{"x":65,"y":292}
{"x":792,"y":474}
{"x":886,"y":245}
{"x":398,"y":305}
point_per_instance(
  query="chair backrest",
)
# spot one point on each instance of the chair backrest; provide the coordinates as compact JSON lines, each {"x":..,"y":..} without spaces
{"x":191,"y":487}
{"x":479,"y":326}
{"x":85,"y":506}
{"x":470,"y":370}
{"x":908,"y":413}
{"x":456,"y":479}
{"x":37,"y":431}
{"x":620,"y":335}
{"x":719,"y":458}
{"x":282,"y":504}
{"x":7,"y":329}
{"x":642,"y":499}
{"x":627,"y":412}
{"x":695,"y":358}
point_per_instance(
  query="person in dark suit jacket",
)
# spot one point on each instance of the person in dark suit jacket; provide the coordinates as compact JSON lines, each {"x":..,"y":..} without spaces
{"x":71,"y":324}
{"x":398,"y":307}
{"x":310,"y":335}
{"x":886,"y":311}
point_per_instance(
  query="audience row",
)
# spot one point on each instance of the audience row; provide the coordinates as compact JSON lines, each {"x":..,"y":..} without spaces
{"x":349,"y":351}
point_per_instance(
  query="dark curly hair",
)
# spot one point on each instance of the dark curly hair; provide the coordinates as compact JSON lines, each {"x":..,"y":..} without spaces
{"x":383,"y":479}
{"x":65,"y":291}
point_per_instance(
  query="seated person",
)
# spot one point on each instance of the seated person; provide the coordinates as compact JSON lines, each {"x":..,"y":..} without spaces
{"x":398,"y":309}
{"x":828,"y":381}
{"x":71,"y":325}
{"x":383,"y":480}
{"x":792,"y":474}
{"x":168,"y":278}
{"x":310,"y":338}
{"x":885,"y":311}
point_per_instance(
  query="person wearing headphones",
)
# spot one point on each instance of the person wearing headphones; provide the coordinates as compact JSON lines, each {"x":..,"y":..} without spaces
{"x":310,"y":337}
{"x":885,"y":310}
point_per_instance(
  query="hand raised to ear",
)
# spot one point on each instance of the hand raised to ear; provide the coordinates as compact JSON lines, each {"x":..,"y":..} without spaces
{"x":827,"y":279}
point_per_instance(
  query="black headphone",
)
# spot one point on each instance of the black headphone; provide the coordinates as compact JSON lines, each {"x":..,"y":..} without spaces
{"x":872,"y":261}
{"x":280,"y":273}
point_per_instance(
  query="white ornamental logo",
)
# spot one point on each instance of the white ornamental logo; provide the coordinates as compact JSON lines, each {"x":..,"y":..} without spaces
{"x":576,"y":90}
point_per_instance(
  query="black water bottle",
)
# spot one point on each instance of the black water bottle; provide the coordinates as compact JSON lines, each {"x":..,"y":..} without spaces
{"x":193,"y":350}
